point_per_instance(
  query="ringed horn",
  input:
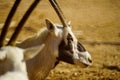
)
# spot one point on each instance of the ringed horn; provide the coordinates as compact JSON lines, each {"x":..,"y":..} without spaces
{"x":20,"y":25}
{"x":59,"y":12}
{"x":22,"y":22}
{"x":7,"y":22}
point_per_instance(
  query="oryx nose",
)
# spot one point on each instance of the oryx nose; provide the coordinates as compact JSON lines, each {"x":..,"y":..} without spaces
{"x":90,"y":60}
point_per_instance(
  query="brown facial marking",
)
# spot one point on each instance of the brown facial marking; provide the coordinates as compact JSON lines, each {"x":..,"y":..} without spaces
{"x":65,"y":50}
{"x":69,"y":46}
{"x":69,"y":37}
{"x":80,"y":47}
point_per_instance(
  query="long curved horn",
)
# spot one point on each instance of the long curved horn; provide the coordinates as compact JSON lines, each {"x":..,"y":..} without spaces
{"x":60,"y":9}
{"x":22,"y":22}
{"x":7,"y":22}
{"x":59,"y":12}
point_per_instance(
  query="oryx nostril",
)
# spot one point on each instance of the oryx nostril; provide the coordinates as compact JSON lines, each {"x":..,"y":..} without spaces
{"x":89,"y":60}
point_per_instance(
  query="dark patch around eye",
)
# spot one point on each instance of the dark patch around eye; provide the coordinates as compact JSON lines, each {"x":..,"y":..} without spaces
{"x":69,"y":37}
{"x":65,"y":55}
{"x":80,"y":47}
{"x":69,"y":46}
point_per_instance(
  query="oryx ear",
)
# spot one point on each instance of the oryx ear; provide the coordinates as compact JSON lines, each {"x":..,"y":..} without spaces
{"x":32,"y":52}
{"x":50,"y":25}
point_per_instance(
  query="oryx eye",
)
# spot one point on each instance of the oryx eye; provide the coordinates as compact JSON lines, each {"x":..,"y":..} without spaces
{"x":69,"y":42}
{"x":69,"y":37}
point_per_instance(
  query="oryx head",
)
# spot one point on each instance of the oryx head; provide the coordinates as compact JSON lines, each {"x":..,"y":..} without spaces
{"x":70,"y":49}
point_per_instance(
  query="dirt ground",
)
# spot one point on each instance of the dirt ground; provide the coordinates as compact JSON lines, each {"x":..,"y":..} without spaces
{"x":96,"y":24}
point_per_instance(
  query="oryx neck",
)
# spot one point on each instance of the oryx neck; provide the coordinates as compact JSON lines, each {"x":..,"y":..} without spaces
{"x":43,"y":62}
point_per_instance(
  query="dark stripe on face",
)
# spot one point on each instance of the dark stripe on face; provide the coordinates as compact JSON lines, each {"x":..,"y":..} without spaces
{"x":66,"y":50}
{"x":65,"y":55}
{"x":69,"y":37}
{"x":69,"y":46}
{"x":80,"y":47}
{"x":59,"y":27}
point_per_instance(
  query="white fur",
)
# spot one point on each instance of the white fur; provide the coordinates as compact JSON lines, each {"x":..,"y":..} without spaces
{"x":16,"y":56}
{"x":16,"y":75}
{"x":45,"y":60}
{"x":82,"y":57}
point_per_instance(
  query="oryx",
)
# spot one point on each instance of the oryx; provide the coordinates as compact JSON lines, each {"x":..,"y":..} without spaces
{"x":60,"y":45}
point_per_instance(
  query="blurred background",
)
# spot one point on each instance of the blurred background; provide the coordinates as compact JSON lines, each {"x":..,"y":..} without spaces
{"x":96,"y":24}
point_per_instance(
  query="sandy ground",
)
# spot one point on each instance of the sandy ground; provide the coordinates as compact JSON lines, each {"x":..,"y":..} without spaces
{"x":92,"y":21}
